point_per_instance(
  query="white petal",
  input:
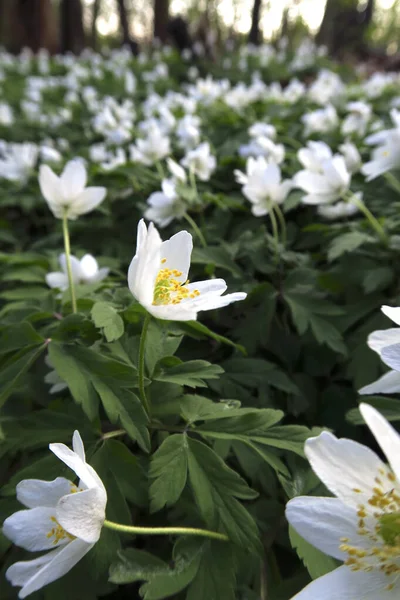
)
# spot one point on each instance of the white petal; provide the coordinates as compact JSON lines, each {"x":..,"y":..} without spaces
{"x":31,"y":529}
{"x":75,"y":266}
{"x":391,"y":356}
{"x":57,"y":280}
{"x":344,"y":466}
{"x":172,"y":312}
{"x":61,"y":562}
{"x":393,"y":312}
{"x":85,"y":472}
{"x":383,"y":337}
{"x":177,"y":252}
{"x":50,"y":185}
{"x":73,"y":179}
{"x":88,"y":199}
{"x":20,"y":572}
{"x":36,"y":492}
{"x":389,"y":383}
{"x":344,"y":584}
{"x":101,"y":274}
{"x":77,"y":443}
{"x":215,"y":286}
{"x":82,"y":514}
{"x":323,"y":522}
{"x":386,"y":436}
{"x":145,"y":264}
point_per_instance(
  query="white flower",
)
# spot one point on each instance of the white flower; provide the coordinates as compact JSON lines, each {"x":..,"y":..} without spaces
{"x":387,"y":155}
{"x":85,"y":270}
{"x":260,"y":129}
{"x":18,"y":161}
{"x":386,"y":343}
{"x":326,"y":186}
{"x":6,"y":114}
{"x":262,"y":185}
{"x":151,"y":149}
{"x":313,"y":156}
{"x":157,"y":278}
{"x":351,"y":157}
{"x":359,"y":526}
{"x":61,"y":516}
{"x":200,"y":161}
{"x":49,"y":154}
{"x":165,"y":206}
{"x":320,"y":121}
{"x":358,"y":119}
{"x":327,"y":87}
{"x":68,"y":193}
{"x":338,"y":210}
{"x":188,"y":131}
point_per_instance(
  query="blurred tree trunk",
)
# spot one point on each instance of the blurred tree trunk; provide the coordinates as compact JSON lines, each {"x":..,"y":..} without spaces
{"x":71,"y":26}
{"x":29,"y":23}
{"x":344,"y":26}
{"x":254,"y":35}
{"x":95,"y":14}
{"x":123,"y":19}
{"x":161,"y":14}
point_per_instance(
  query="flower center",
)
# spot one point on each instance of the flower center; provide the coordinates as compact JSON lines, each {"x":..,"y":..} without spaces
{"x":378,"y":547}
{"x":58,"y":533}
{"x":167,"y":288}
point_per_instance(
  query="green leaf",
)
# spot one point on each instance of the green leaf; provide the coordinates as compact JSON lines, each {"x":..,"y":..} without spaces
{"x":215,"y":577}
{"x":135,"y":565}
{"x":130,"y":473}
{"x":317,"y":563}
{"x":168,"y":469}
{"x":216,"y":488}
{"x":160,"y":342}
{"x":348,"y":242}
{"x":106,"y":317}
{"x":19,"y":336}
{"x":192,"y":373}
{"x":15,"y":367}
{"x":215,"y":255}
{"x":388,"y":407}
{"x":199,"y":331}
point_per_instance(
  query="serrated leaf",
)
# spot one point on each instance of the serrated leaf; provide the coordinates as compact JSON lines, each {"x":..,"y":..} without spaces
{"x":168,"y":470}
{"x":317,"y":563}
{"x":19,"y":336}
{"x":348,"y":242}
{"x":215,"y":577}
{"x":106,"y":317}
{"x":135,"y":565}
{"x":15,"y":368}
{"x":192,"y":373}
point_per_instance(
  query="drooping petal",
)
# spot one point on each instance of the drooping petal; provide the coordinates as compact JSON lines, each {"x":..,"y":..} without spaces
{"x":85,"y":472}
{"x":177,"y":252}
{"x":344,"y":584}
{"x":345,"y":466}
{"x":214,"y":286}
{"x":323,"y":522}
{"x":61,"y":562}
{"x":50,"y":185}
{"x":389,"y":383}
{"x":73,"y":179}
{"x":57,"y":280}
{"x":88,"y":199}
{"x":386,"y":436}
{"x":82,"y":514}
{"x":173,"y":312}
{"x":36,"y":492}
{"x":32,"y":529}
{"x":77,"y":443}
{"x":21,"y":572}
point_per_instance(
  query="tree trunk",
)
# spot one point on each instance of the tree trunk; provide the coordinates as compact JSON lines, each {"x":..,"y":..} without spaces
{"x":95,"y":14}
{"x":29,"y":23}
{"x":161,"y":13}
{"x":343,"y":26}
{"x":123,"y":19}
{"x":254,"y":35}
{"x":71,"y":25}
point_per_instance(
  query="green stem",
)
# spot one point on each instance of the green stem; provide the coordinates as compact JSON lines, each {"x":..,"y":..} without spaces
{"x":160,"y":170}
{"x":67,"y":248}
{"x":275,"y":231}
{"x":112,"y":434}
{"x":141,"y":365}
{"x":393,"y":181}
{"x":282,"y":222}
{"x":165,"y":531}
{"x":192,"y":179}
{"x":368,"y":214}
{"x":196,"y":229}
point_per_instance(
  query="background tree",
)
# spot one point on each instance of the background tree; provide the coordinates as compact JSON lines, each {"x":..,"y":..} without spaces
{"x":95,"y":14}
{"x":161,"y":15}
{"x":344,"y":25}
{"x":254,"y":35}
{"x":29,"y":23}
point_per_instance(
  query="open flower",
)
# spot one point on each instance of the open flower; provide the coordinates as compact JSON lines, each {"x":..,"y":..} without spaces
{"x":68,"y":193}
{"x":61,"y":516}
{"x":85,"y":270}
{"x":361,"y":525}
{"x":327,"y":185}
{"x":157,"y":278}
{"x":386,"y":156}
{"x":262,"y":185}
{"x":386,"y":343}
{"x":200,"y":161}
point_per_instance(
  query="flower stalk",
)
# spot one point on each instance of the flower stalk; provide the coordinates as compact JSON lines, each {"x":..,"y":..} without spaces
{"x":67,"y":247}
{"x":141,"y":366}
{"x":196,"y":229}
{"x":354,"y":199}
{"x":165,"y":531}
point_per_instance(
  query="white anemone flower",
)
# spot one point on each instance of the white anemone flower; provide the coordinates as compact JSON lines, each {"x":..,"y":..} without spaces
{"x":360,"y":526}
{"x":351,"y":156}
{"x":340,"y":210}
{"x":157,"y":278}
{"x":386,"y":156}
{"x":85,"y":270}
{"x":326,"y":186}
{"x":200,"y":161}
{"x":386,"y":343}
{"x":60,"y":516}
{"x":262,"y":185}
{"x":68,"y":193}
{"x":165,"y":206}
